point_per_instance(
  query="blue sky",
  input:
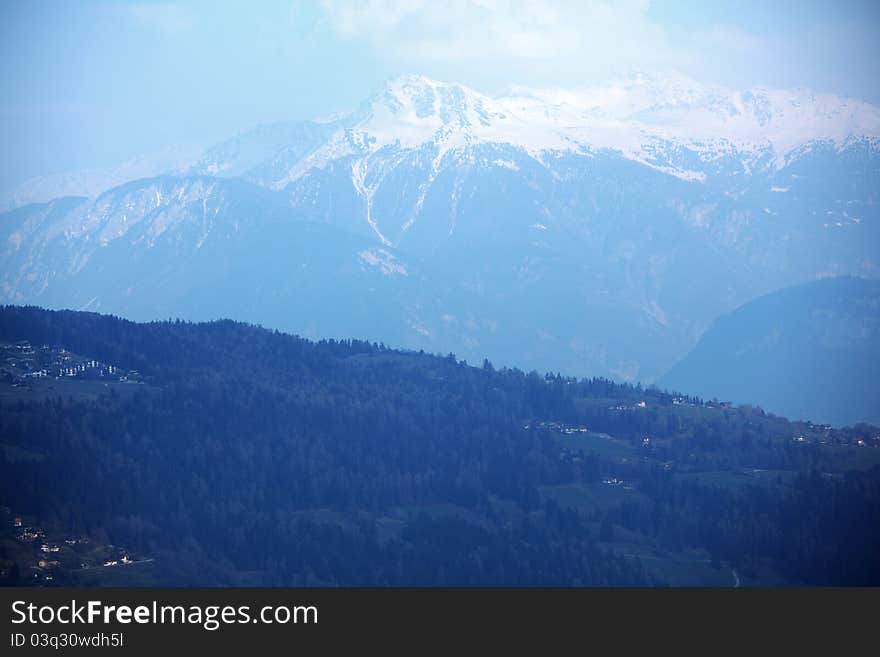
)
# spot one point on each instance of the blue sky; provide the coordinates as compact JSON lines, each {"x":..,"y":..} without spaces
{"x":92,"y":83}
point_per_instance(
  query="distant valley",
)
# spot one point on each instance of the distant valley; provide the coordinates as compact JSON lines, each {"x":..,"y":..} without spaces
{"x":811,"y":351}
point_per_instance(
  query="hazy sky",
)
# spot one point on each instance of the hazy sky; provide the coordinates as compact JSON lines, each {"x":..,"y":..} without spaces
{"x":92,"y":83}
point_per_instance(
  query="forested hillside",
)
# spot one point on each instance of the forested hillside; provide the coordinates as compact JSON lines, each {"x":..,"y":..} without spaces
{"x":223,"y":453}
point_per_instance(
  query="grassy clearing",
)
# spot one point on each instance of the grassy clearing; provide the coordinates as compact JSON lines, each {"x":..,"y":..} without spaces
{"x":41,"y":389}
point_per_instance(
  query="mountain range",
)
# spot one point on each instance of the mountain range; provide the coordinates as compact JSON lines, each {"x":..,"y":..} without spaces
{"x":597,"y":231}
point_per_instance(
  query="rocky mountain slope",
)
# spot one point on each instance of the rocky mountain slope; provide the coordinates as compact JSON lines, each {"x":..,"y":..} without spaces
{"x":597,"y":231}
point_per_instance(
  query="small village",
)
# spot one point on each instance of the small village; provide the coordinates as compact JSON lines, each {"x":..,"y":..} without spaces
{"x":21,"y":364}
{"x":559,"y":427}
{"x":32,"y":555}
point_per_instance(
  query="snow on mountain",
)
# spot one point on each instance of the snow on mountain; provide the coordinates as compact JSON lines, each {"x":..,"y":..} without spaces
{"x":414,"y":128}
{"x":91,"y":183}
{"x":644,"y":118}
{"x":596,"y":230}
{"x":652,"y":119}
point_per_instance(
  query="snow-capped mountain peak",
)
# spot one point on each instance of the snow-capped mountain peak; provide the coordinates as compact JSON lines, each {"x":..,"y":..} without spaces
{"x":647,"y":118}
{"x":666,"y":121}
{"x":413,"y":110}
{"x":642,"y":109}
{"x":456,"y":219}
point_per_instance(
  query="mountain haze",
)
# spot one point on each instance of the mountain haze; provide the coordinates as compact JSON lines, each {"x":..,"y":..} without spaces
{"x":596,"y":231}
{"x":811,"y":351}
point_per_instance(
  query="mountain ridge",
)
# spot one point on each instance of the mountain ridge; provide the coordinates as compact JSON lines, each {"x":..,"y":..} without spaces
{"x":808,"y":351}
{"x":643,"y":118}
{"x":195,"y":445}
{"x":642,"y":115}
{"x":581,"y":258}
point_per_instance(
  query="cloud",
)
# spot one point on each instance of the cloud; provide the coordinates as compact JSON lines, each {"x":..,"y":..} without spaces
{"x":496,"y":30}
{"x":569,"y":42}
{"x":167,"y":18}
